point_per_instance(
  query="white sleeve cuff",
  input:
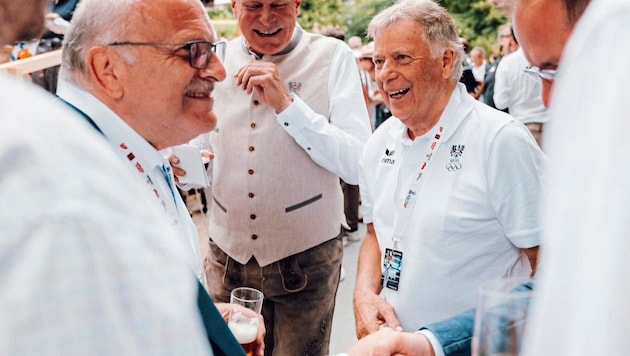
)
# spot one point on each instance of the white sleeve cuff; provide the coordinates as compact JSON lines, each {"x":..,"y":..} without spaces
{"x":435,"y":343}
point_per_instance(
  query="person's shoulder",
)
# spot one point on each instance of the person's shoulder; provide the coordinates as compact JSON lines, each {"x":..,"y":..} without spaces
{"x":513,"y":58}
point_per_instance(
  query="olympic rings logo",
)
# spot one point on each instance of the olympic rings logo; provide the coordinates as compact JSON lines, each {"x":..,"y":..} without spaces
{"x":453,"y":166}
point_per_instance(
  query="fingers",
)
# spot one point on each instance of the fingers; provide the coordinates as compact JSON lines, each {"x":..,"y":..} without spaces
{"x":224,"y":309}
{"x":178,"y":172}
{"x":263,"y":77}
{"x":391,"y":320}
{"x":371,"y":312}
{"x":173,"y":160}
{"x":207,"y":154}
{"x":260,"y":337}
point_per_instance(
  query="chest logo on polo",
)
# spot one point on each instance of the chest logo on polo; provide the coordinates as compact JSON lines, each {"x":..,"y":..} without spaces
{"x":456,"y":152}
{"x":388,"y":154}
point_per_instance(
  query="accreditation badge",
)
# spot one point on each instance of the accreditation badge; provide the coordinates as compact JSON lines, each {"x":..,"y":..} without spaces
{"x":392,"y":262}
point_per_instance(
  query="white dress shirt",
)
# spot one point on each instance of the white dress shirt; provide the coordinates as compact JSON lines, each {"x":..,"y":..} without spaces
{"x":144,"y":160}
{"x":88,"y":264}
{"x":518,"y":91}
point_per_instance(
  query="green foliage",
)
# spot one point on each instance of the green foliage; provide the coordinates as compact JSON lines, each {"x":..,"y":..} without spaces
{"x":317,"y":13}
{"x":361,"y":13}
{"x":476,"y":20}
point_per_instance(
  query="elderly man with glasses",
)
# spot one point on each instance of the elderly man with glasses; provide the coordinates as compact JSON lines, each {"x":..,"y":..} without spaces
{"x":146,"y":86}
{"x":143,"y":76}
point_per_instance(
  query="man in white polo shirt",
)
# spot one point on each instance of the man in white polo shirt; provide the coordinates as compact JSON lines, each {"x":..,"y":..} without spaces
{"x":450,"y":187}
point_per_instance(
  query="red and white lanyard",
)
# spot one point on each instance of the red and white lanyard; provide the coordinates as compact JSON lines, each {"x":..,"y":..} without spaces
{"x":403,"y":211}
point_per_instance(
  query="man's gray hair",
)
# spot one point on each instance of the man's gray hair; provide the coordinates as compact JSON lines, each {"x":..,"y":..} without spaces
{"x":94,"y":23}
{"x":439,"y":29}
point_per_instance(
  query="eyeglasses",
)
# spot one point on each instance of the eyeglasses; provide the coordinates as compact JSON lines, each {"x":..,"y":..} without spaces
{"x":545,"y":74}
{"x":199,"y":52}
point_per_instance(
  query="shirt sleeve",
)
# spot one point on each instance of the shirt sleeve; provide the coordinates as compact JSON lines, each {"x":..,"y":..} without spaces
{"x":515,"y":177}
{"x":435,"y":343}
{"x":333,"y":140}
{"x":502,"y":85}
{"x":453,"y":336}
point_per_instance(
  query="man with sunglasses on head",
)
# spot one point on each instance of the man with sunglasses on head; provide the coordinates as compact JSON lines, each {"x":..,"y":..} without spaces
{"x":143,"y":76}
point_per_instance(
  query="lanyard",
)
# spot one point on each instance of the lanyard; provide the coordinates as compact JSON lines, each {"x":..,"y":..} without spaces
{"x":164,"y":168}
{"x":403,"y":211}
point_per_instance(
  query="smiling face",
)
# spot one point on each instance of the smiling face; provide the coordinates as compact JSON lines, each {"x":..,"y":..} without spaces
{"x":166,"y":100}
{"x":267,"y":25}
{"x":415,"y":86}
{"x":542,"y":37}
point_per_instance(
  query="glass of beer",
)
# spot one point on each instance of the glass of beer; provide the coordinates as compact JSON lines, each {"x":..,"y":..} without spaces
{"x":245,"y":327}
{"x":501,"y":316}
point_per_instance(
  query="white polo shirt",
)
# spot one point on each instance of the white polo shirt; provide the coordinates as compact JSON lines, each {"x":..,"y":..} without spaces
{"x":476,"y":206}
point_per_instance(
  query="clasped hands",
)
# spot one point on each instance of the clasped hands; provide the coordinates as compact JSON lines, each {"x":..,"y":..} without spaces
{"x":371,"y":313}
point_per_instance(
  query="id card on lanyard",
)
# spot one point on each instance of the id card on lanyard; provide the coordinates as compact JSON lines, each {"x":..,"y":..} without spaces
{"x":393,"y":257}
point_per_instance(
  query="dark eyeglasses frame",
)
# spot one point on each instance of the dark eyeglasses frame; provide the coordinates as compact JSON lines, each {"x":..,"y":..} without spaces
{"x":194,"y":54}
{"x":544,"y":74}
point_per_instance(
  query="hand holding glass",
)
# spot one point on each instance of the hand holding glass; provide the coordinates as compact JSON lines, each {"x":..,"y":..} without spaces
{"x":245,"y":327}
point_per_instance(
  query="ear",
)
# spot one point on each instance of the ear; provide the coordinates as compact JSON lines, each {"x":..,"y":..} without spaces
{"x":233,"y":4}
{"x":448,"y":59}
{"x":105,"y":68}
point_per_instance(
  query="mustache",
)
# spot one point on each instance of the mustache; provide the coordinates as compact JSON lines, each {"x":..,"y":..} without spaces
{"x":198,"y":85}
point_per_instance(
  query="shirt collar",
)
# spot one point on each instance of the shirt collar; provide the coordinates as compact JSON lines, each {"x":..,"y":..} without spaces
{"x":457,"y":108}
{"x":295,"y":39}
{"x":114,"y":128}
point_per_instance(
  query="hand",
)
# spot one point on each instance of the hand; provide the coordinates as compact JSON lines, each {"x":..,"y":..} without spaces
{"x":263,"y":78}
{"x":207,"y":154}
{"x":177,"y":171}
{"x":180,"y":172}
{"x":371,"y":312}
{"x":387,"y":342}
{"x":225,"y":309}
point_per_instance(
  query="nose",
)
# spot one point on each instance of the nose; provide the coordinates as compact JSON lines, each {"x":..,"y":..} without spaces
{"x":547,"y":86}
{"x":214,"y":70}
{"x":267,"y":16}
{"x":385,"y":71}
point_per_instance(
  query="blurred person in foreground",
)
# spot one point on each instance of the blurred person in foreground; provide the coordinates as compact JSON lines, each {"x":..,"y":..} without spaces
{"x":144,"y":77}
{"x":293,"y":121}
{"x":583,"y":306}
{"x":449,"y":187}
{"x":89,"y":262}
{"x":563,"y":309}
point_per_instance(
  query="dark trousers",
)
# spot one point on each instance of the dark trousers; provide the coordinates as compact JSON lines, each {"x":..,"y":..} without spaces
{"x":299,"y":291}
{"x":351,"y":199}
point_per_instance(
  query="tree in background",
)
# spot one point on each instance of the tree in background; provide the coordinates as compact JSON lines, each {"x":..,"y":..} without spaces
{"x":477,"y":20}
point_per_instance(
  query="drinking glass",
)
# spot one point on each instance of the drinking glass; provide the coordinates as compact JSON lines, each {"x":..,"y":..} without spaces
{"x":245,"y":327}
{"x":501,"y":316}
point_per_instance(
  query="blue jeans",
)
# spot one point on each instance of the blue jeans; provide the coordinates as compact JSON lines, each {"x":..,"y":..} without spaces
{"x":299,"y":294}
